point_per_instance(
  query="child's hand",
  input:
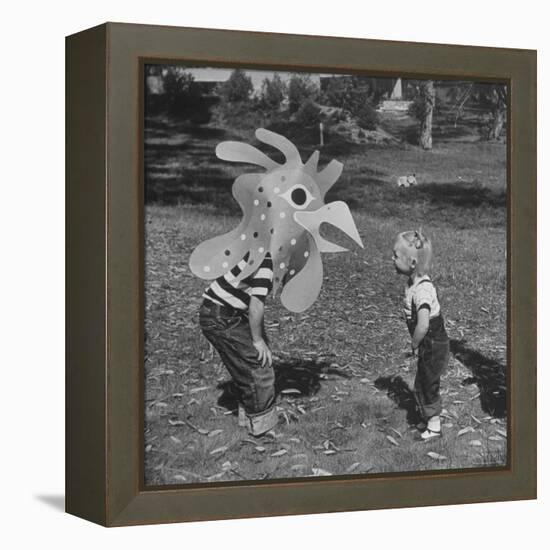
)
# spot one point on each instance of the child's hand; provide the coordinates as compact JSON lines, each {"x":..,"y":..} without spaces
{"x":264,"y":353}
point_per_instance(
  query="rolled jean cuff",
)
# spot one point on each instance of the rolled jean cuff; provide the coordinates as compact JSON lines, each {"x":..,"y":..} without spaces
{"x":260,"y":423}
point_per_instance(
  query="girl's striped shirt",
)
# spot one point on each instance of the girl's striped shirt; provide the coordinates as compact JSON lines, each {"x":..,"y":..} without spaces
{"x":228,"y":291}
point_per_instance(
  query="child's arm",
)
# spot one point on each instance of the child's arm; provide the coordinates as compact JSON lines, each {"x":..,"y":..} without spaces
{"x":256,"y":321}
{"x":422,"y":325}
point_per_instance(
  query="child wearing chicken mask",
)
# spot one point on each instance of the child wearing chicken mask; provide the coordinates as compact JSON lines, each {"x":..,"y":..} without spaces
{"x":277,"y":245}
{"x":412,"y":255}
{"x":232,"y":320}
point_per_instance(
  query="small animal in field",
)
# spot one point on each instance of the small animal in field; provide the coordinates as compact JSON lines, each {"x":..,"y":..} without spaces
{"x":407,"y":181}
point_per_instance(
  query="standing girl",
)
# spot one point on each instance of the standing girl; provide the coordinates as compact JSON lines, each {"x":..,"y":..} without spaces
{"x":412,"y":255}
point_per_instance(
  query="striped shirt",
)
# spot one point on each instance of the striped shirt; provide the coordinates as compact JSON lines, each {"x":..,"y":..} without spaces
{"x":228,"y":291}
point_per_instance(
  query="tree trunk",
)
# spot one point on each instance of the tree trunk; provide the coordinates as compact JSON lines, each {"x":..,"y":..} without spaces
{"x":497,"y":124}
{"x":426,"y":122}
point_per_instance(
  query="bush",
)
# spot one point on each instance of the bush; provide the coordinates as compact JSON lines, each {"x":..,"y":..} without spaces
{"x":185,"y":98}
{"x":240,"y":115}
{"x":309,"y":114}
{"x":236,"y":88}
{"x":273,"y":93}
{"x":355,"y":95}
{"x":366,"y":116}
{"x":339,"y":93}
{"x":301,"y":88}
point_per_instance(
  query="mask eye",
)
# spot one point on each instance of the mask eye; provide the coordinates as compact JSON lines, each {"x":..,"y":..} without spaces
{"x":298,"y":196}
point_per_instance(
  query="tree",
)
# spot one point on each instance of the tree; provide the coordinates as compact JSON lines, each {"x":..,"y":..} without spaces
{"x":428,"y":93}
{"x":273,"y":93}
{"x":185,"y":98}
{"x":422,"y":108}
{"x":309,"y":114}
{"x":496,"y":97}
{"x":236,"y":88}
{"x":490,"y":97}
{"x":300,"y":88}
{"x":356,"y":96}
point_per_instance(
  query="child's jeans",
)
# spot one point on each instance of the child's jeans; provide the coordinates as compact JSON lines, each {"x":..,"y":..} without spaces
{"x":228,"y":330}
{"x":433,"y":356}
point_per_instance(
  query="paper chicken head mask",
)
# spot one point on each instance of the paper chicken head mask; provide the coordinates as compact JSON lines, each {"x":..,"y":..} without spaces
{"x":283,"y":209}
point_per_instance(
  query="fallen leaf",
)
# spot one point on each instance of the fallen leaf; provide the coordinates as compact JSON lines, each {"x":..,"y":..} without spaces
{"x":392,"y":440}
{"x":352,"y":467}
{"x":260,"y":449}
{"x":397,"y":432}
{"x":436,"y":456}
{"x":495,"y":438}
{"x":475,"y":443}
{"x":329,"y":452}
{"x":175,"y":440}
{"x":215,"y":476}
{"x":465,"y":431}
{"x":320,"y":472}
{"x":196,"y":390}
{"x":179,"y":477}
{"x":291,"y":391}
{"x":281,"y":452}
{"x":214,"y":433}
{"x":502,"y":433}
{"x":176,"y":422}
{"x":219,"y":450}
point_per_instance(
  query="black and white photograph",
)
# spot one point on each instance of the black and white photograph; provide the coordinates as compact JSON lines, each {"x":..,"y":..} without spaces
{"x":325,"y":274}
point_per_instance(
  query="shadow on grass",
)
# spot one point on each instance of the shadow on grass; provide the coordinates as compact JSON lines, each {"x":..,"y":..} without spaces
{"x":488,"y":374}
{"x":181,"y":168}
{"x":461,"y":194}
{"x":400,"y":393}
{"x":303,"y":375}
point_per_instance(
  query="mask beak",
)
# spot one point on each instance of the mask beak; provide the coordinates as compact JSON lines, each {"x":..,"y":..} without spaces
{"x":337,"y":214}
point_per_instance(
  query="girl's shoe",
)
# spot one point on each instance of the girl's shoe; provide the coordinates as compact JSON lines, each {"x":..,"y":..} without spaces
{"x":428,"y":434}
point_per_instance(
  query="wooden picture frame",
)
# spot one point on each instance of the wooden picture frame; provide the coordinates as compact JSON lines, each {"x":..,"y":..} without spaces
{"x":104,"y":383}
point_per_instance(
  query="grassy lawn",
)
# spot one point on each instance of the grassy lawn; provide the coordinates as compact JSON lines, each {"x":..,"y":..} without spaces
{"x":343,"y":375}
